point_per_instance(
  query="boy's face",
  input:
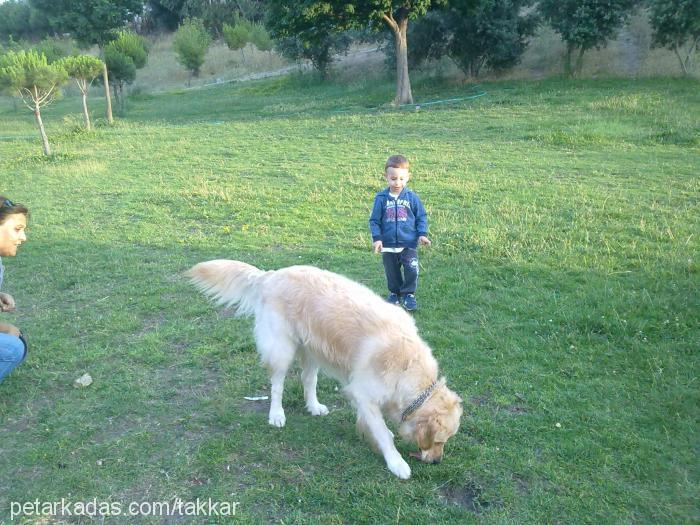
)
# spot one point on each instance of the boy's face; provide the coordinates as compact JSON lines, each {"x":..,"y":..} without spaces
{"x":397,"y":178}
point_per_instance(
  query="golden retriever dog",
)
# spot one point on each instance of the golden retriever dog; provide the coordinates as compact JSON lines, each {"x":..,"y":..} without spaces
{"x":337,"y":325}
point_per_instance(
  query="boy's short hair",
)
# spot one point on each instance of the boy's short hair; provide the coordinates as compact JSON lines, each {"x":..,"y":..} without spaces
{"x":396,"y":161}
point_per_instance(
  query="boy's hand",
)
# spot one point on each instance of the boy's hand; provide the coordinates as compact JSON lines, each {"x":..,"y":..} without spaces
{"x":377,"y":245}
{"x":7,"y":303}
{"x":424,"y":241}
{"x":6,"y":328}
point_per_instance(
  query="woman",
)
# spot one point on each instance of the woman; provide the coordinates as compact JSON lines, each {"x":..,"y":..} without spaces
{"x":13,"y":222}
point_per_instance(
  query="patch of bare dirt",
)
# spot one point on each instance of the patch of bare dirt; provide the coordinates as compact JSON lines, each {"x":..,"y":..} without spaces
{"x":469,"y":496}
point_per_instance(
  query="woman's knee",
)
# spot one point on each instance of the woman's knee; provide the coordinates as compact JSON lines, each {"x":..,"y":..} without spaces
{"x":12,"y":349}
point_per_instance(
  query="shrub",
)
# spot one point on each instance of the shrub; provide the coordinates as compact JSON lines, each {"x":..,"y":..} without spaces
{"x":260,"y":38}
{"x":238,"y":35}
{"x":191,"y":43}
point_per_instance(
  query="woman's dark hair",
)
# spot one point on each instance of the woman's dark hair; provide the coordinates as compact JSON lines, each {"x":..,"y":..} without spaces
{"x":7,"y":208}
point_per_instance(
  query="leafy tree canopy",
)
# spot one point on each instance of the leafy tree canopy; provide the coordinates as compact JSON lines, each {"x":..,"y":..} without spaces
{"x":88,"y":21}
{"x":288,"y":17}
{"x":586,"y":24}
{"x":121,"y":67}
{"x":674,"y":22}
{"x":312,"y":21}
{"x":676,"y":25}
{"x":82,"y":66}
{"x":238,"y":35}
{"x":18,"y":20}
{"x":319,"y":50}
{"x":54,"y":48}
{"x":260,"y":38}
{"x":124,"y":55}
{"x":191,"y":43}
{"x":170,"y":13}
{"x":132,"y":45}
{"x":474,"y":34}
{"x":30,"y":71}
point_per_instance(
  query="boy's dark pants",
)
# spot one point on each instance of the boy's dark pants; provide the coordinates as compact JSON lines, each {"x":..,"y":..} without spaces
{"x":397,"y":283}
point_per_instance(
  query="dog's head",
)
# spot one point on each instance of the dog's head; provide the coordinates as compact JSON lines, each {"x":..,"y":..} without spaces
{"x":433,"y":424}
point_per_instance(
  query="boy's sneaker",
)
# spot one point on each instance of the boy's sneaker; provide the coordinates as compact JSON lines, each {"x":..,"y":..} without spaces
{"x":393,"y":299}
{"x":409,"y":302}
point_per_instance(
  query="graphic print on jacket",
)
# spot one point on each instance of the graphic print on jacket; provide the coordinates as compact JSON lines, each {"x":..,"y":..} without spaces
{"x":394,"y":213}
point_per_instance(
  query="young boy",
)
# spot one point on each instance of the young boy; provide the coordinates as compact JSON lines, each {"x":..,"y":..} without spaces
{"x":398,"y":224}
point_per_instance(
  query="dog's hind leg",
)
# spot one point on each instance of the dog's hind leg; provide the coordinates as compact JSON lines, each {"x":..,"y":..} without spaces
{"x":277,"y":354}
{"x":276,"y":417}
{"x":309,"y":377}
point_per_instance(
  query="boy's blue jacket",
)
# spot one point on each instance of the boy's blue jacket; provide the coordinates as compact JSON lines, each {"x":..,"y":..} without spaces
{"x":398,"y":222}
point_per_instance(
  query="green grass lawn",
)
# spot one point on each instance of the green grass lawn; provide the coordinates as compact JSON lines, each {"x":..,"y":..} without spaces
{"x":560,"y":296}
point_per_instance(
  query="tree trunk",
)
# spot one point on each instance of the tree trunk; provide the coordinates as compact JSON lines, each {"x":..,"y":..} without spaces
{"x":399,"y":26}
{"x":117,"y":98}
{"x":105,"y":77}
{"x":568,"y":68}
{"x":86,"y":114}
{"x":684,"y":64}
{"x":579,"y":62}
{"x":403,"y":83}
{"x":42,"y":131}
{"x":691,"y":52}
{"x":121,"y":98}
{"x":478,"y":66}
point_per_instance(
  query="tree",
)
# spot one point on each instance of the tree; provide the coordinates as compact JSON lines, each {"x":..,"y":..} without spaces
{"x":83,"y":69}
{"x":242,"y":32}
{"x":191,"y":43}
{"x":474,"y":34}
{"x":214,"y":14}
{"x":14,"y":20}
{"x":123,"y":56}
{"x":585,"y":24}
{"x":162,"y":15}
{"x":53,"y":48}
{"x":319,"y":47}
{"x":29,"y":76}
{"x":19,"y":20}
{"x":90,"y":22}
{"x":122,"y":70}
{"x":676,"y":25}
{"x":238,"y":35}
{"x":289,"y":18}
{"x":489,"y":33}
{"x":260,"y":38}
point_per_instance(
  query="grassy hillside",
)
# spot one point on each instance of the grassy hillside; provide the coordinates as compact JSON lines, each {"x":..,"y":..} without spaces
{"x":560,"y":297}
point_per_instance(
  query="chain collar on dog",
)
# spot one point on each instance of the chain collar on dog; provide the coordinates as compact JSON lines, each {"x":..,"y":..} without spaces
{"x":417,"y":402}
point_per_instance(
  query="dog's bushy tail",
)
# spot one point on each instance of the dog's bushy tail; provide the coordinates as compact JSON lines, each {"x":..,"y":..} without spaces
{"x":228,"y":283}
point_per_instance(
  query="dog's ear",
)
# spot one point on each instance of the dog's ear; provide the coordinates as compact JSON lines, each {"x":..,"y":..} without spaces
{"x":425,"y":433}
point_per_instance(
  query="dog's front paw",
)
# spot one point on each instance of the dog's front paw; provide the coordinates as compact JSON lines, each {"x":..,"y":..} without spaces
{"x":399,"y":468}
{"x":277,"y":419}
{"x":318,"y":410}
